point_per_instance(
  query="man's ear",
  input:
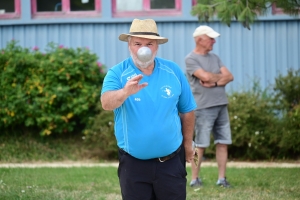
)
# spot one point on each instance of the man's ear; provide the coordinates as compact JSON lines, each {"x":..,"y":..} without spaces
{"x":198,"y":39}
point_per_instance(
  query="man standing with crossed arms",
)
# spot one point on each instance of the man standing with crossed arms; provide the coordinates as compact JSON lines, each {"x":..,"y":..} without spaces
{"x":208,"y":77}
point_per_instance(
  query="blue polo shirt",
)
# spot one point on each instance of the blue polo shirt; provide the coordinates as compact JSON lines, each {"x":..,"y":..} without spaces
{"x":147,"y":124}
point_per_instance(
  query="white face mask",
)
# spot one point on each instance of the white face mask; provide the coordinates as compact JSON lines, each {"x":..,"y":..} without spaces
{"x":144,"y":57}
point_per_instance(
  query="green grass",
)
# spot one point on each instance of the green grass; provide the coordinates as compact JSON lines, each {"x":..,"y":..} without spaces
{"x":27,"y":148}
{"x":59,"y":183}
{"x":250,"y":183}
{"x":101,"y":183}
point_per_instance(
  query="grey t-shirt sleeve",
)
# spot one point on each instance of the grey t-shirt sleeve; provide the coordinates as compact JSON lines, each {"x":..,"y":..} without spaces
{"x":191,"y":64}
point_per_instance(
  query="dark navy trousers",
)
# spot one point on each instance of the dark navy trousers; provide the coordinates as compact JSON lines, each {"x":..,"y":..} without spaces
{"x":151,"y":179}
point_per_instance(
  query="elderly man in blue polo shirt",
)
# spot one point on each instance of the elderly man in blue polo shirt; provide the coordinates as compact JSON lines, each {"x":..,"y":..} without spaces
{"x":154,"y":117}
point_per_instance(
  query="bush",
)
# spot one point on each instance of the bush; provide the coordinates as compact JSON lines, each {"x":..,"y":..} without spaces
{"x":267,"y":125}
{"x":101,"y":132}
{"x":287,"y":90}
{"x":287,"y":99}
{"x":289,"y":145}
{"x":252,"y":124}
{"x":53,"y":92}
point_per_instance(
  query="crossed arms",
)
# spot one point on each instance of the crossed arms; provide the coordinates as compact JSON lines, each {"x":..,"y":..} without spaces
{"x":208,"y":79}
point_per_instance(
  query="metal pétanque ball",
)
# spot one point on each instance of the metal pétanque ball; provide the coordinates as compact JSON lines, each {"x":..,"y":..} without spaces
{"x":144,"y":54}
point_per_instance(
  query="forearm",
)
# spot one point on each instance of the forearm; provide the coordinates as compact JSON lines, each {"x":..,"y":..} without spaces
{"x":225,"y":79}
{"x":211,"y":77}
{"x":113,"y":99}
{"x":221,"y":78}
{"x":188,"y":122}
{"x":207,"y":77}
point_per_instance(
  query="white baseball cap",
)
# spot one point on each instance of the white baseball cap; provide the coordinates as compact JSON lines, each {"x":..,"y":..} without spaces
{"x":205,"y":30}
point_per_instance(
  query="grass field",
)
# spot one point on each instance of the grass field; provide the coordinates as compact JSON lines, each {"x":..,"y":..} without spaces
{"x":101,"y":183}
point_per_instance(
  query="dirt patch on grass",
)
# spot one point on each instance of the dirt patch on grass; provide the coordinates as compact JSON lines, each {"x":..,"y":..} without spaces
{"x":115,"y":164}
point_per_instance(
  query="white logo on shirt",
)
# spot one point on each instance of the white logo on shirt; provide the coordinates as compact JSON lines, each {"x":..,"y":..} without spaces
{"x":167,"y":91}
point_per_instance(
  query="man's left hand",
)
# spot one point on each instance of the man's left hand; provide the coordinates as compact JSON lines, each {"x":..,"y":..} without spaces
{"x":207,"y":84}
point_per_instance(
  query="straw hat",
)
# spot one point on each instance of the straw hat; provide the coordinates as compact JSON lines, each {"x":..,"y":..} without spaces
{"x":143,"y":29}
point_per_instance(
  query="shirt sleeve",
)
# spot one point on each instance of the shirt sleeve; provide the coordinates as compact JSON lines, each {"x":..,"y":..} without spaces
{"x":191,"y":65}
{"x":111,"y":82}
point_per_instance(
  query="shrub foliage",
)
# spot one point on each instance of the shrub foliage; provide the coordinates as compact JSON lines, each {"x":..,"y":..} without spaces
{"x":252,"y":124}
{"x":52,"y":92}
{"x":101,"y":132}
{"x":287,"y":101}
{"x":266,"y":124}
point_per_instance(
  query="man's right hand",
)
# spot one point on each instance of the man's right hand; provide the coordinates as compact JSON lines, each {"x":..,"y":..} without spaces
{"x":132,"y":86}
{"x":115,"y":98}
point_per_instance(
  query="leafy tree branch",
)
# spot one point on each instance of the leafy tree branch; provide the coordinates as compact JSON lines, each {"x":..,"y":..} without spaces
{"x":244,"y":11}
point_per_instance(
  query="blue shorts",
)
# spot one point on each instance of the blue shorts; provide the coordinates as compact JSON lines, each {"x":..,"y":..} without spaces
{"x":213,"y":120}
{"x":151,"y":179}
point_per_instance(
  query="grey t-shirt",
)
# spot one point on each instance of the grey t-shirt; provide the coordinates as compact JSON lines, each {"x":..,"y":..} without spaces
{"x":205,"y":97}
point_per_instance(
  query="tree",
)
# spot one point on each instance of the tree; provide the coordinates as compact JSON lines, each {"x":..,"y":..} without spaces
{"x":244,"y":11}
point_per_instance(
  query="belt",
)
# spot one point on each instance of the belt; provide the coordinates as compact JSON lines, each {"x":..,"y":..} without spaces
{"x":161,"y":159}
{"x":168,"y":157}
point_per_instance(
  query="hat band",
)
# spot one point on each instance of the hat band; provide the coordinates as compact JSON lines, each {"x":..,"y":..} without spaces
{"x":143,"y":33}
